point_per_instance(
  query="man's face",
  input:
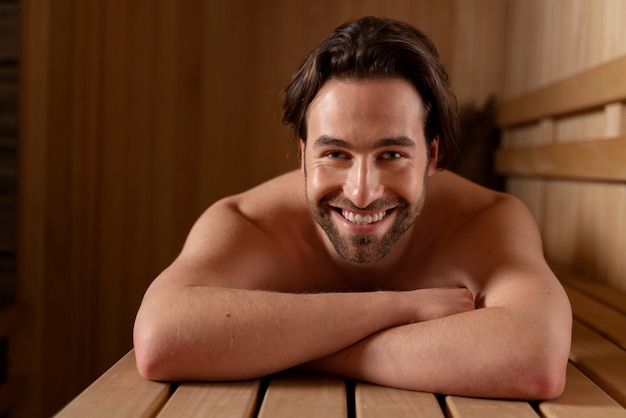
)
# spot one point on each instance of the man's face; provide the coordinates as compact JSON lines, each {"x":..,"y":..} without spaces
{"x":365,"y":163}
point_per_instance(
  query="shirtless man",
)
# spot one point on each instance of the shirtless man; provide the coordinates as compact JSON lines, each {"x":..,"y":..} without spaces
{"x":372,"y":261}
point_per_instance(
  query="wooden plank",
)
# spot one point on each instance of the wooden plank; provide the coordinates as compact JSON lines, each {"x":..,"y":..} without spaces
{"x":614,"y":120}
{"x":374,"y":401}
{"x":602,"y":361}
{"x":590,"y":89}
{"x":603,"y":319}
{"x":120,"y":392}
{"x":27,"y":348}
{"x":581,"y":399}
{"x":305,"y":396}
{"x":10,"y":317}
{"x":224,"y":400}
{"x":602,"y":292}
{"x":460,"y":407}
{"x":590,"y":160}
{"x":10,"y":392}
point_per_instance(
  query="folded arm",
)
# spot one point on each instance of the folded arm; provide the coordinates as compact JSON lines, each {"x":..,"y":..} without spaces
{"x":209,"y":333}
{"x":505,"y":352}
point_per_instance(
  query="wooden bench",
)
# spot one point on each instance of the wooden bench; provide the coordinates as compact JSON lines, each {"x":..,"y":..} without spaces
{"x":596,"y":383}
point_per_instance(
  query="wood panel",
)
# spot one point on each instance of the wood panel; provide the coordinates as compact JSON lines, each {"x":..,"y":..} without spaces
{"x":603,"y":160}
{"x":546,"y":42}
{"x":564,"y":121}
{"x":590,"y":89}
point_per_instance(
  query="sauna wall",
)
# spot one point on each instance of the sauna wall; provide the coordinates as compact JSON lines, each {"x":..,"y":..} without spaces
{"x":583,"y":221}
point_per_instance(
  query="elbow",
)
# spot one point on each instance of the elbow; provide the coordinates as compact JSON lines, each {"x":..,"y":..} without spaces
{"x":153,"y":354}
{"x":544,"y":376}
{"x":545,"y":384}
{"x":149,"y":358}
{"x":149,"y":364}
{"x":546,"y":360}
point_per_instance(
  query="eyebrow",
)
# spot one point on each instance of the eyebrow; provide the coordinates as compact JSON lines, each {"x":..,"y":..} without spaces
{"x":396,"y":141}
{"x":325,"y":141}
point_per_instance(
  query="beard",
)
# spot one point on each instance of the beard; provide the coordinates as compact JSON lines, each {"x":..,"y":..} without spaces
{"x":366,"y":248}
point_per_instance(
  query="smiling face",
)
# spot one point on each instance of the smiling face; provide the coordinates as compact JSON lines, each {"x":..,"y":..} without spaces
{"x":365,"y":164}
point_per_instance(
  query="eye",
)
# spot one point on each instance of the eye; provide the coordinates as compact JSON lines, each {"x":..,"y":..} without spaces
{"x":391,"y":155}
{"x":336,"y":155}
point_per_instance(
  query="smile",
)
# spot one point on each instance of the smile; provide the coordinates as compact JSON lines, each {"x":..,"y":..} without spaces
{"x":357,"y":218}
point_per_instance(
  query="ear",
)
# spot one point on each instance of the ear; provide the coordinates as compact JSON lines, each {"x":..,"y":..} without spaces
{"x":302,"y":148}
{"x":433,"y":149}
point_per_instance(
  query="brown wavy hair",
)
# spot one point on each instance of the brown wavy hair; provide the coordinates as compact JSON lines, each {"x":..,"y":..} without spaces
{"x":373,"y":47}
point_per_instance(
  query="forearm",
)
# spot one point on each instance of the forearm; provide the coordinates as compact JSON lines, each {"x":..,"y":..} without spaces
{"x":204,"y":333}
{"x":484,"y":353}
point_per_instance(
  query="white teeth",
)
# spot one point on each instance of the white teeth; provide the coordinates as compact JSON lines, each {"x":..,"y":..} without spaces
{"x":357,"y":218}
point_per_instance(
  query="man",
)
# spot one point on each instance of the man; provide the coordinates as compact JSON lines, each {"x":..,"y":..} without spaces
{"x":372,"y":261}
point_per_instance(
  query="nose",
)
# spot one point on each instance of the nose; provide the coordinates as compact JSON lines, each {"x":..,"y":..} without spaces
{"x":363,"y":185}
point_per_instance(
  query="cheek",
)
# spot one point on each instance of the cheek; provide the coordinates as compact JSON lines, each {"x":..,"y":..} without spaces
{"x":321,"y":181}
{"x":410,"y":186}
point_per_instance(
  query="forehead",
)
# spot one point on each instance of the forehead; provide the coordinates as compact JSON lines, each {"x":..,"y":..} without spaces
{"x":372,"y":103}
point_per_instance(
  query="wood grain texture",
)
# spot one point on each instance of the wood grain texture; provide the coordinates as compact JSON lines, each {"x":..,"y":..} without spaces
{"x":590,"y":89}
{"x":120,"y":392}
{"x":581,"y":399}
{"x":224,"y":400}
{"x":563,"y":112}
{"x":603,"y":160}
{"x":297,"y":395}
{"x":605,"y":320}
{"x":459,"y":407}
{"x":373,"y":401}
{"x":600,"y":360}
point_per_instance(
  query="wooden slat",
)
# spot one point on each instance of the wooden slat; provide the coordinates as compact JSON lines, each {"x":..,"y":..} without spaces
{"x":603,"y":319}
{"x":590,"y":160}
{"x":601,"y":360}
{"x":9,"y":319}
{"x":591,"y":89}
{"x":305,"y":396}
{"x":224,"y":400}
{"x":374,"y":401}
{"x":10,"y":392}
{"x":120,"y":392}
{"x":601,"y":292}
{"x":581,"y":399}
{"x":460,"y":407}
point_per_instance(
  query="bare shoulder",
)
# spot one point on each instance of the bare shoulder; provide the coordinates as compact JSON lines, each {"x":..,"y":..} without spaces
{"x":490,"y":238}
{"x":242,"y":240}
{"x":467,"y":206}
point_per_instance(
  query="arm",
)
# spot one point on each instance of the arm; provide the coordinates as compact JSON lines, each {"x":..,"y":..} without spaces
{"x":515,"y":346}
{"x":200,"y":320}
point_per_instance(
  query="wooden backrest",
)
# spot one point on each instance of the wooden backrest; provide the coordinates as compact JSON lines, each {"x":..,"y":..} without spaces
{"x":564,"y":153}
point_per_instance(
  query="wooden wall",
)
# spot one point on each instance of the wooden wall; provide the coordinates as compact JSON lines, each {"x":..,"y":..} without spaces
{"x":583,"y":220}
{"x":135,"y":116}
